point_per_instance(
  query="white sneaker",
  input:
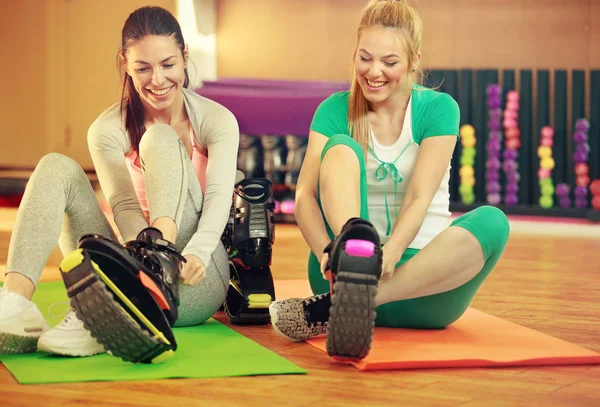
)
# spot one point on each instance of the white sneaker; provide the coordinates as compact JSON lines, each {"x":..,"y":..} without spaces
{"x":70,"y":338}
{"x":21,"y":323}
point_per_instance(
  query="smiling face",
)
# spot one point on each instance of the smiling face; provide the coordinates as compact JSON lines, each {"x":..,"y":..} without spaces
{"x":381,"y":64}
{"x":157,"y":67}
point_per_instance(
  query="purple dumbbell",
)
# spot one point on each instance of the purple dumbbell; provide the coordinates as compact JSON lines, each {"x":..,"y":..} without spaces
{"x":562,"y":190}
{"x":493,"y":163}
{"x":493,"y":90}
{"x":513,"y":177}
{"x":509,"y":154}
{"x":494,"y":199}
{"x":492,"y":175}
{"x":495,"y":124}
{"x":580,"y":203}
{"x":495,"y":113}
{"x":582,"y":124}
{"x":511,"y":188}
{"x":583,"y":147}
{"x":494,"y":103}
{"x":581,"y":192}
{"x":495,"y":135}
{"x":580,"y":137}
{"x":580,"y":157}
{"x":493,"y":187}
{"x":493,"y":148}
{"x":509,"y":166}
{"x":564,"y":202}
{"x":511,"y":199}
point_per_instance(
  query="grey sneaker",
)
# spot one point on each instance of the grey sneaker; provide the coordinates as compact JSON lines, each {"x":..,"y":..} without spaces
{"x":301,"y":319}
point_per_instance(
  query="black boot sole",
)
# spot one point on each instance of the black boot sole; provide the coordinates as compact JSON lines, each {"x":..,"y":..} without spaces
{"x":113,"y":314}
{"x":356,"y":268}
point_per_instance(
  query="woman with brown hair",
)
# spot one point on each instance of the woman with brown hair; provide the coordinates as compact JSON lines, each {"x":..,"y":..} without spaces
{"x":165,"y":157}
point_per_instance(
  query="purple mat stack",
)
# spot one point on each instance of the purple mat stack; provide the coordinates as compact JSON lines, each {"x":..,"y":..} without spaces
{"x":270,"y":107}
{"x":274,"y":118}
{"x":494,"y":144}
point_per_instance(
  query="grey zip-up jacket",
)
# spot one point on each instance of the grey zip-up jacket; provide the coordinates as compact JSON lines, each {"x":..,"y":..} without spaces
{"x":216,"y":130}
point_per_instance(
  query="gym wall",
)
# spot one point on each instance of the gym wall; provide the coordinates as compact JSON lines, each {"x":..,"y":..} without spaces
{"x":314,"y":39}
{"x":59,"y":71}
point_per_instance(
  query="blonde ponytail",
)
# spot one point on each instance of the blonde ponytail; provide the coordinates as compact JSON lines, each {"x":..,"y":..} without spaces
{"x":398,"y":16}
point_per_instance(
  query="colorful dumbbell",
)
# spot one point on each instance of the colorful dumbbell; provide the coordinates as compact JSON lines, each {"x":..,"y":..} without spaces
{"x":546,"y":166}
{"x":467,"y":163}
{"x":494,"y":144}
{"x":512,"y":143}
{"x":595,"y":191}
{"x":580,"y":158}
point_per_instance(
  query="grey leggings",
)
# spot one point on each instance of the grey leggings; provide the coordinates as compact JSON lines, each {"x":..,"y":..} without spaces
{"x":59,"y":204}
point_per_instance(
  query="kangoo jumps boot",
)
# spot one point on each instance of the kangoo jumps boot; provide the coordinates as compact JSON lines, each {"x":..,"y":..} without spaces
{"x":355,"y":269}
{"x":249,"y":238}
{"x":127,"y":297}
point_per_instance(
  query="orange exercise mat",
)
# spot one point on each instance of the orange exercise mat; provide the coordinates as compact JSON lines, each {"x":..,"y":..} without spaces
{"x":477,"y":339}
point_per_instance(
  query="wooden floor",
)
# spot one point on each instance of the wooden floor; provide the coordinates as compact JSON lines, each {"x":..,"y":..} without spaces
{"x":548,"y":283}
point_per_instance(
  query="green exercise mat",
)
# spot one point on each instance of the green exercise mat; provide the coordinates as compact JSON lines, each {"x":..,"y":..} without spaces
{"x":208,"y":350}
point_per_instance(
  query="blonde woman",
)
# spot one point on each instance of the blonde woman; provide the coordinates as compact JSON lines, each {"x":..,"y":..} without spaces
{"x":372,"y":201}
